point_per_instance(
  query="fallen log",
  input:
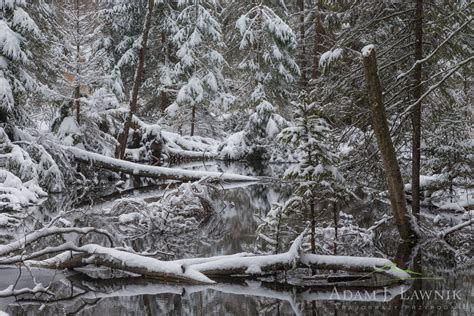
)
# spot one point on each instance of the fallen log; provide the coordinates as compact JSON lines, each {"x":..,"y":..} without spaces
{"x":121,"y":260}
{"x":136,"y":169}
{"x":354,"y":264}
{"x":252,"y":265}
{"x":199,"y":270}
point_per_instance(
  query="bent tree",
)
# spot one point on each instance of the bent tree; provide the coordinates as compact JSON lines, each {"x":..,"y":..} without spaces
{"x":393,"y":175}
{"x":137,"y":80}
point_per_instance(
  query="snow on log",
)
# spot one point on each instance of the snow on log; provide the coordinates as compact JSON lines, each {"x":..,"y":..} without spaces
{"x":151,"y":171}
{"x":253,"y":265}
{"x":121,"y":260}
{"x":146,"y":266}
{"x":193,"y":261}
{"x":246,"y":264}
{"x":355,"y":264}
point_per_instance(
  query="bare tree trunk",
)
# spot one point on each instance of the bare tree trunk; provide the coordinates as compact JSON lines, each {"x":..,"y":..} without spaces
{"x":313,"y":229}
{"x":77,"y":102}
{"x":336,"y":222}
{"x":318,"y":41}
{"x":193,"y":119}
{"x":387,"y":150}
{"x":137,"y":81}
{"x":163,"y":94}
{"x":304,"y":80}
{"x":416,"y":114}
{"x":77,"y":89}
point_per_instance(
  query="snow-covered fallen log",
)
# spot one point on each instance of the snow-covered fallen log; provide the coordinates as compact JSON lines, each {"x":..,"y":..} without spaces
{"x":247,"y":264}
{"x":148,"y":267}
{"x":190,"y":271}
{"x":151,"y":171}
{"x":355,"y":264}
{"x":253,"y":265}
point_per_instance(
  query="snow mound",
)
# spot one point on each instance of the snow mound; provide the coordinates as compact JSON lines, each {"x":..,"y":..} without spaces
{"x":15,"y":194}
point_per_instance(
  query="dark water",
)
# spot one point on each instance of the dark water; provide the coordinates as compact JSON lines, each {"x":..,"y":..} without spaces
{"x":445,"y":286}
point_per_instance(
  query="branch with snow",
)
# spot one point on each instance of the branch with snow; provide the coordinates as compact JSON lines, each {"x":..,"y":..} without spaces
{"x":45,"y":232}
{"x":455,"y":228}
{"x":11,"y":291}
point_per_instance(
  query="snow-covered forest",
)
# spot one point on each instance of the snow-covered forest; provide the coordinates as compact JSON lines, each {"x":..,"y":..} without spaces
{"x":240,"y":157}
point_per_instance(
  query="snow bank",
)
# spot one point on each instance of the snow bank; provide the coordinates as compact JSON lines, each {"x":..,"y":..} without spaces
{"x":15,"y":194}
{"x":31,"y":162}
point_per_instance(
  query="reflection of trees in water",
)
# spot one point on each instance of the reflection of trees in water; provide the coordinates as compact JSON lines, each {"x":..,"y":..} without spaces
{"x":83,"y":295}
{"x":232,"y":229}
{"x":124,"y":296}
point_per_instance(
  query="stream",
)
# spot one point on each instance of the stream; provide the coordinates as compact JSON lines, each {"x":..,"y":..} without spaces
{"x":445,"y":286}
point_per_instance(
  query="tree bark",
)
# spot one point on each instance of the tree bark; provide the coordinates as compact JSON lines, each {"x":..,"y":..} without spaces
{"x":380,"y":125}
{"x":163,"y":94}
{"x":318,"y":41}
{"x":304,"y":80}
{"x":313,"y":229}
{"x":193,"y":119}
{"x":77,"y":89}
{"x":137,"y":81}
{"x":416,"y":114}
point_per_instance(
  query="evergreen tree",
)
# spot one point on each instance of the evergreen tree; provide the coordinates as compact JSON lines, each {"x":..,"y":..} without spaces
{"x":18,"y":33}
{"x":198,"y":41}
{"x":320,"y":185}
{"x":266,"y":44}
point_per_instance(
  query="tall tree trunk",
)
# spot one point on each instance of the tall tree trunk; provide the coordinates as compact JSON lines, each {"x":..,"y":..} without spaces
{"x":137,"y":81}
{"x":318,"y":40}
{"x":336,"y":223}
{"x":416,"y":114}
{"x":77,"y":102}
{"x":193,"y":119}
{"x":304,"y":80}
{"x":77,"y":89}
{"x":163,"y":94}
{"x":380,"y":125}
{"x":313,"y":229}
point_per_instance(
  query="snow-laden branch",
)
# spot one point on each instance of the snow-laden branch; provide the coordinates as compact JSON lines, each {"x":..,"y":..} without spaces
{"x":450,"y":230}
{"x":435,"y":86}
{"x":45,"y":232}
{"x":151,"y":171}
{"x":11,"y":291}
{"x":420,"y":61}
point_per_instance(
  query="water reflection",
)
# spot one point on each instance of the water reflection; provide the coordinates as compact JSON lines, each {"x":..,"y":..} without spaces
{"x":233,"y":230}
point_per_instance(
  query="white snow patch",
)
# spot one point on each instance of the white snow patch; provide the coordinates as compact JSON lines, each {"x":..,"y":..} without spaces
{"x":366,"y":50}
